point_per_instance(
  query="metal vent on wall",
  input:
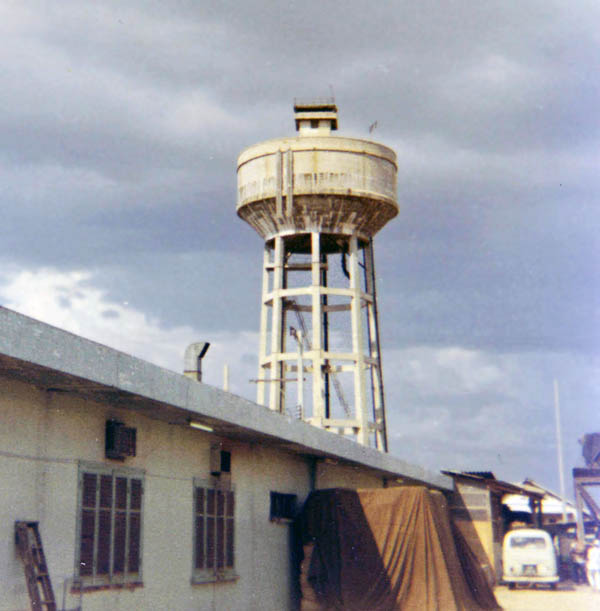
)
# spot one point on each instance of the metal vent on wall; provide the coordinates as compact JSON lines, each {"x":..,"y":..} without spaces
{"x":283,"y":507}
{"x":120,"y":440}
{"x":220,"y":460}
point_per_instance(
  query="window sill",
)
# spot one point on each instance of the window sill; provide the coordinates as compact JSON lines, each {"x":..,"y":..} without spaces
{"x":133,"y":585}
{"x":198,"y":580}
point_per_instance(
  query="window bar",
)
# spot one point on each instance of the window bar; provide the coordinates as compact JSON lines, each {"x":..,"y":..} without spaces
{"x":96,"y":529}
{"x":205,"y":529}
{"x":140,"y":528}
{"x":220,"y":524}
{"x":200,"y":502}
{"x":230,"y":529}
{"x":112,"y":528}
{"x":127,"y":527}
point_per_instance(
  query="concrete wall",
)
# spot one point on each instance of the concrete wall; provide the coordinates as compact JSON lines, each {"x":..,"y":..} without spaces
{"x":330,"y":474}
{"x":43,"y":437}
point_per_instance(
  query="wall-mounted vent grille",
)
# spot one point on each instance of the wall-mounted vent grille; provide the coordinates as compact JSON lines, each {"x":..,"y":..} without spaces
{"x":120,"y":440}
{"x":283,"y":507}
{"x":225,"y":461}
{"x":220,"y":460}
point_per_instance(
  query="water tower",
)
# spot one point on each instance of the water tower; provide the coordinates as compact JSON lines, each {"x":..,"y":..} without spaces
{"x":317,"y":200}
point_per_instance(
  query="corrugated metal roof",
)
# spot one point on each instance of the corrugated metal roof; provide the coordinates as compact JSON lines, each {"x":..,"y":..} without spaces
{"x":492,"y":483}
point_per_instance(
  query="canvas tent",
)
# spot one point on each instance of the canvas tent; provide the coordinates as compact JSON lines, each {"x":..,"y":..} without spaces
{"x":387,"y":549}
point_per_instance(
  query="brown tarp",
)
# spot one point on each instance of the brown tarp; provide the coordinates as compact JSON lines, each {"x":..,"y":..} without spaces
{"x":385,"y":549}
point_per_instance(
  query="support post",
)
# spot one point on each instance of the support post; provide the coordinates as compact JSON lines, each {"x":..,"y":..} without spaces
{"x":277,"y":383}
{"x":375,"y":351}
{"x":318,"y":410}
{"x":580,"y":518}
{"x":360,"y":395}
{"x":264,"y":321}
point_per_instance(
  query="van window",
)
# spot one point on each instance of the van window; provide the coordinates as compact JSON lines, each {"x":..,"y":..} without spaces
{"x":528,"y":542}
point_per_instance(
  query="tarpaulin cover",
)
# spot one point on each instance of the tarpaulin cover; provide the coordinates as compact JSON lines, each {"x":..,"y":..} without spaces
{"x":385,"y":549}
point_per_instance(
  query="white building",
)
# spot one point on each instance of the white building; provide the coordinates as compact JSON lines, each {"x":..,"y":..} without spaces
{"x":552,"y":504}
{"x":137,"y":508}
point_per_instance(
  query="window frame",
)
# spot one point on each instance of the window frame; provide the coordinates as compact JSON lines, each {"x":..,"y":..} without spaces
{"x":211,"y":574}
{"x":110,"y":579}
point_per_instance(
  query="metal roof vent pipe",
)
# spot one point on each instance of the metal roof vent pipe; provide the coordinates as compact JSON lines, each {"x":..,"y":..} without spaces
{"x":194,"y":354}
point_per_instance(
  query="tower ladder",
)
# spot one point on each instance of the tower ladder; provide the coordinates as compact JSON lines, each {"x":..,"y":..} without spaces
{"x":30,"y":546}
{"x":336,"y":382}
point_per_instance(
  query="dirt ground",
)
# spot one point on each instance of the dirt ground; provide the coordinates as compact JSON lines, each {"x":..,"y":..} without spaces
{"x":567,"y":597}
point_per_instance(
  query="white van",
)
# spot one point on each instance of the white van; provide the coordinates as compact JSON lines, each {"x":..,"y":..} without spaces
{"x":528,"y":556}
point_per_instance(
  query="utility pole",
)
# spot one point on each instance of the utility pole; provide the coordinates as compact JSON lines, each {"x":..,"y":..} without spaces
{"x":561,"y":474}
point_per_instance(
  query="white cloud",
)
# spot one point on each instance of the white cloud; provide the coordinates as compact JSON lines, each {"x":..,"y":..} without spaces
{"x":452,"y":407}
{"x":70,"y":300}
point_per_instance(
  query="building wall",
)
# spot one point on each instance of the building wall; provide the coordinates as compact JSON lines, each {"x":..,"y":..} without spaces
{"x":330,"y":474}
{"x":43,"y":437}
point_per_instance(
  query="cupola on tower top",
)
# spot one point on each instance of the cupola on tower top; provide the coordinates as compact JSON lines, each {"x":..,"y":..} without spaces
{"x":316,"y":117}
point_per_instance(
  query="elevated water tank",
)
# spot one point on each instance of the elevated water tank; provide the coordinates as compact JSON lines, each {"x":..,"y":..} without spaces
{"x":316,"y":181}
{"x":313,"y":198}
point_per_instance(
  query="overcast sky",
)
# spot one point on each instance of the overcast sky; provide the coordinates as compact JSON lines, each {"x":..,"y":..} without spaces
{"x":120,"y":126}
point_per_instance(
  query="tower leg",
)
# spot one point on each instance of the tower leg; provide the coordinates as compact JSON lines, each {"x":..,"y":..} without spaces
{"x":277,"y":384}
{"x":375,"y":351}
{"x":264,"y":319}
{"x":318,"y":412}
{"x":360,"y":395}
{"x":325,"y":322}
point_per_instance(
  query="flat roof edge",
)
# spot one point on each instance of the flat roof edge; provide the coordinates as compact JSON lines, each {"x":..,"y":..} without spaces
{"x":30,"y":341}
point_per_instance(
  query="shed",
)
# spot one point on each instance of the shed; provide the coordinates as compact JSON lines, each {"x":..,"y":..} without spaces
{"x":476,"y":509}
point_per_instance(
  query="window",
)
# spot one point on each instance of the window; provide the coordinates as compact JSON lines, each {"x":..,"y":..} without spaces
{"x":528,"y":542}
{"x":110,"y":525}
{"x":283,"y":507}
{"x":214,"y":542}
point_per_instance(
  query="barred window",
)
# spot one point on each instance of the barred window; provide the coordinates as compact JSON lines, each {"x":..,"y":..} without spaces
{"x":110,"y":525}
{"x":214,"y":526}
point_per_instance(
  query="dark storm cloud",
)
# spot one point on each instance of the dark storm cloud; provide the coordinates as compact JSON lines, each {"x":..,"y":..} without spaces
{"x":121,"y":122}
{"x":508,"y":277}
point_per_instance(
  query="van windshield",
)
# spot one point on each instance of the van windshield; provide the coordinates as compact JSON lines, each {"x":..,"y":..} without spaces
{"x":524,"y":542}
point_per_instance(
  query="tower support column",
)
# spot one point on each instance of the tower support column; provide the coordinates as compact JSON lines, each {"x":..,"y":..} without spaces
{"x":317,"y":330}
{"x":264,"y":321}
{"x":360,"y":392}
{"x":277,"y":383}
{"x":375,"y":350}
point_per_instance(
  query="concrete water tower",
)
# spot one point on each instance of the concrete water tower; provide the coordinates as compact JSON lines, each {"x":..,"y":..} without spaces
{"x":317,"y":200}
